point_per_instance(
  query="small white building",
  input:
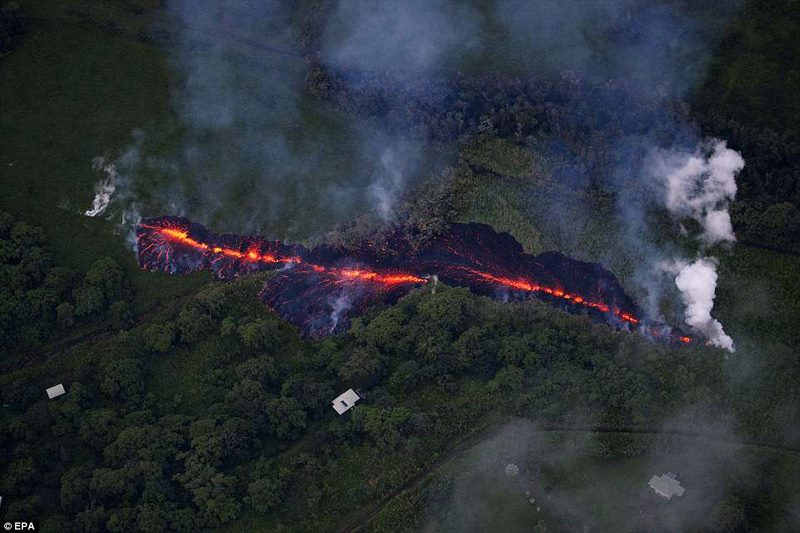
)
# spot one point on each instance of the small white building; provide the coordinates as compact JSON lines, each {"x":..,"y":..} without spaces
{"x":666,"y":485}
{"x":55,"y":391}
{"x":345,"y":401}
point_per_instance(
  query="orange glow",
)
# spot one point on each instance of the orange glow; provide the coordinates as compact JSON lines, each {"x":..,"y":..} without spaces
{"x":524,"y":285}
{"x":387,"y":279}
{"x":180,"y":235}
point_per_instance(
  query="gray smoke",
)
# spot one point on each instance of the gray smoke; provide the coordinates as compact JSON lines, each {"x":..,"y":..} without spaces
{"x":250,"y":150}
{"x":660,"y":51}
{"x":411,"y":38}
{"x":115,"y":197}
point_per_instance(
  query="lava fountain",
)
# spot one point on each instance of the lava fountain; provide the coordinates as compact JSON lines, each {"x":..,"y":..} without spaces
{"x":319,"y":289}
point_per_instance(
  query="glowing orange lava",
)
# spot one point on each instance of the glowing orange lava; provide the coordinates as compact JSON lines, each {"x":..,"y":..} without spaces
{"x":387,"y":279}
{"x":180,"y":235}
{"x":525,"y":285}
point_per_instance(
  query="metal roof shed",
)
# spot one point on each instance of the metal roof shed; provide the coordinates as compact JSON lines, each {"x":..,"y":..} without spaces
{"x":55,"y":391}
{"x":345,"y":401}
{"x":666,"y":485}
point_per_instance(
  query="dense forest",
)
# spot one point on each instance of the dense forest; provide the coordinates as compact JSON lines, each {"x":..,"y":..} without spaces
{"x":244,"y":424}
{"x":200,"y":409}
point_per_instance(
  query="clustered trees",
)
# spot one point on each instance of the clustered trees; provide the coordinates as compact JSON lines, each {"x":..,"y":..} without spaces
{"x":120,"y":452}
{"x":38,"y":297}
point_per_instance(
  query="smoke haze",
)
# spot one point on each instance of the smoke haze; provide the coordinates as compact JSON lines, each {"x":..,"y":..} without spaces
{"x":411,"y":38}
{"x":253,"y":153}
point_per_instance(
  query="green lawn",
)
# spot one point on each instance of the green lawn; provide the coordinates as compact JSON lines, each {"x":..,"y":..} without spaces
{"x":73,"y":91}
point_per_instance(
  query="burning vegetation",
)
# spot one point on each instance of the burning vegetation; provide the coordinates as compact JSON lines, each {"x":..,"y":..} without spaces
{"x":318,"y":289}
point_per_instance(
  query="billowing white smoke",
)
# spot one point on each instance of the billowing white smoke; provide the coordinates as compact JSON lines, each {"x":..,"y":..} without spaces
{"x":698,"y":282}
{"x":701,"y":187}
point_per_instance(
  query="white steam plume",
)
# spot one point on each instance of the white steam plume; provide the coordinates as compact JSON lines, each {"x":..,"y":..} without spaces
{"x":115,"y":188}
{"x":104,"y":189}
{"x":701,"y":187}
{"x":698,"y":282}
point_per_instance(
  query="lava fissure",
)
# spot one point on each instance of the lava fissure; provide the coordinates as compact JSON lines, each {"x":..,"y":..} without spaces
{"x":320,"y":288}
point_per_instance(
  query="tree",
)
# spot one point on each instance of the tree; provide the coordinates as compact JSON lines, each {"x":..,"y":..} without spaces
{"x":266,"y":491}
{"x":66,"y":314}
{"x":381,"y":424}
{"x":363,"y":368}
{"x":261,"y":334}
{"x":88,"y":300}
{"x":193,"y":323}
{"x":123,"y":379}
{"x":98,"y":428}
{"x":214,"y":441}
{"x":286,"y":417}
{"x":75,"y":488}
{"x":312,"y":394}
{"x":103,"y":283}
{"x":108,"y":485}
{"x":20,"y":474}
{"x":508,"y":378}
{"x":729,"y":516}
{"x":158,"y":337}
{"x":211,"y":490}
{"x":248,"y":400}
{"x":12,"y":24}
{"x":261,"y":369}
{"x":120,"y":313}
{"x":106,"y":275}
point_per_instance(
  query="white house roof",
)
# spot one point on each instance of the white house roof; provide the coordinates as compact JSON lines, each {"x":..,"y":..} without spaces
{"x":666,"y":485}
{"x":55,"y":391}
{"x":345,"y":401}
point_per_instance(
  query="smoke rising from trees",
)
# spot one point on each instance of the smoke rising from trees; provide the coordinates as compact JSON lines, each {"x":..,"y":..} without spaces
{"x":700,"y":187}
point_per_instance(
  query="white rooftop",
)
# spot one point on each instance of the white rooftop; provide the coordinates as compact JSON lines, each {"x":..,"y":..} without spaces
{"x":345,"y":401}
{"x":666,"y":485}
{"x":55,"y":391}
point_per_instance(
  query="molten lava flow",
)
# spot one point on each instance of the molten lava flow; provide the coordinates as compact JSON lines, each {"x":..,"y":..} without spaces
{"x":319,"y":289}
{"x":384,"y":279}
{"x":181,"y":236}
